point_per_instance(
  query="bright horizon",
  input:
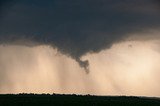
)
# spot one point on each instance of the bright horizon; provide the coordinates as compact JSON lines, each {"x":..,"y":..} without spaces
{"x":127,"y":68}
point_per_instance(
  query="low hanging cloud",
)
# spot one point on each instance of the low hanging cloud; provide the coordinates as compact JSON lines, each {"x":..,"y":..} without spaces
{"x":121,"y":70}
{"x":75,"y":27}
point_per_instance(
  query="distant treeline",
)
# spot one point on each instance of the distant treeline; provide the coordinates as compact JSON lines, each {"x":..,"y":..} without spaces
{"x":74,"y":100}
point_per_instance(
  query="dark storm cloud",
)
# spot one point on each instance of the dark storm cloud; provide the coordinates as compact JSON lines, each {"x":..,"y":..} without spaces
{"x":76,"y":27}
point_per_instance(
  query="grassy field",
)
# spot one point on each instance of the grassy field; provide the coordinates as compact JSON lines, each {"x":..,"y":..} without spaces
{"x":75,"y":100}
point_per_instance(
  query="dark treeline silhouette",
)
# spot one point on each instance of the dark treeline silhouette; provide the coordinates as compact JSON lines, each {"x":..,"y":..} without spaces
{"x":74,"y":100}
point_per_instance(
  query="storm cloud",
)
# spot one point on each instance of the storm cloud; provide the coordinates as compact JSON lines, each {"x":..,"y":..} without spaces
{"x":75,"y":27}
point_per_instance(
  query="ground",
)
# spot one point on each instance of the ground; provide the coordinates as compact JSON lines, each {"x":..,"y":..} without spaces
{"x":74,"y":100}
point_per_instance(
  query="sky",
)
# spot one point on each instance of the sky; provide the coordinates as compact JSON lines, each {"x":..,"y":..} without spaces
{"x":102,"y":47}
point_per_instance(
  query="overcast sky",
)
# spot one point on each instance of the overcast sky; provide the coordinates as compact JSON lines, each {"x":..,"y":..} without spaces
{"x":76,"y":28}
